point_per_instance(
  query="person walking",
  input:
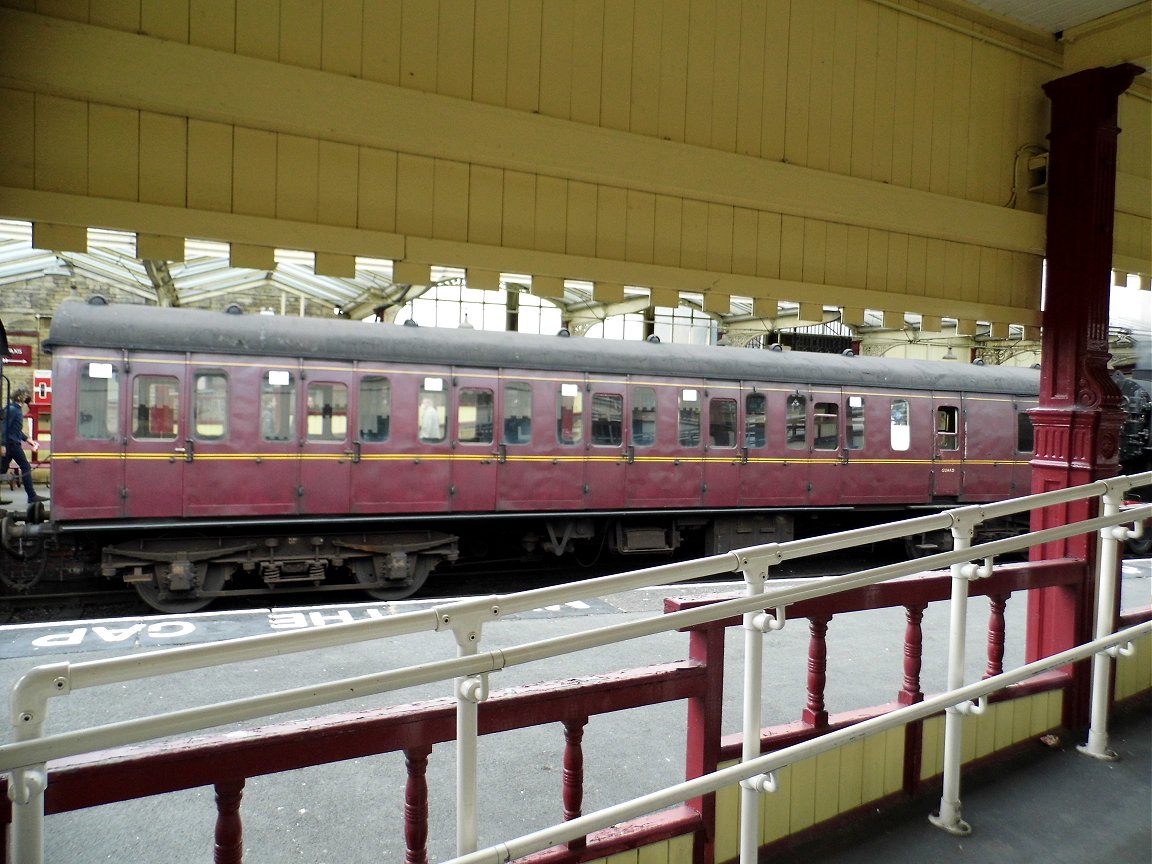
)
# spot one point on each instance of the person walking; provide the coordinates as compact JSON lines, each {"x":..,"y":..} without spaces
{"x":14,"y":438}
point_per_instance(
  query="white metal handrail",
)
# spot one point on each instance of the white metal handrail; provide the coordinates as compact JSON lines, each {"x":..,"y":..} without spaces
{"x":26,"y":757}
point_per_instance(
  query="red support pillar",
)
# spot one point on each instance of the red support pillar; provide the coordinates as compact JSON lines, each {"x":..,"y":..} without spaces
{"x":416,"y":805}
{"x":815,"y":713}
{"x":229,"y":847}
{"x":573,"y":792}
{"x":1078,"y":419}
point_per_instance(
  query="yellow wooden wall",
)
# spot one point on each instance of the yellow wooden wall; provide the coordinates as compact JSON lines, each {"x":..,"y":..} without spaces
{"x":859,"y":153}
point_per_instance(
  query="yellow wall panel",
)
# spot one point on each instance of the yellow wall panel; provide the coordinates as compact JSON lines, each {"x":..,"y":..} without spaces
{"x":720,"y":218}
{"x":164,"y":19}
{"x":1001,"y":717}
{"x":836,"y":254}
{"x":376,"y":190}
{"x":726,"y":76}
{"x":117,"y":14}
{"x":701,"y":74}
{"x":159,"y":247}
{"x":524,"y":21}
{"x":454,"y":48}
{"x":251,"y":257}
{"x":415,"y":179}
{"x":857,"y":256}
{"x":673,"y":70}
{"x":587,"y":62}
{"x":792,"y":248}
{"x":961,"y":99}
{"x":776,"y":808}
{"x":556,"y":26}
{"x":337,"y":184}
{"x":820,"y":83}
{"x":258,"y":28}
{"x":644,"y":110}
{"x":163,"y":159}
{"x":450,"y":200}
{"x":61,"y":159}
{"x":551,"y":218}
{"x":843,"y":95}
{"x":863,"y":106}
{"x":932,"y":748}
{"x":728,"y":822}
{"x":380,"y":41}
{"x":750,"y":99}
{"x":935,"y":264}
{"x":802,"y":795}
{"x":640,"y":232}
{"x":942,"y":129}
{"x":877,"y":278}
{"x":659,"y":853}
{"x":668,"y":227}
{"x":893,"y":760}
{"x":904,"y":100}
{"x":924,"y":108}
{"x":301,"y":27}
{"x":209,"y":166}
{"x":485,"y":205}
{"x":694,"y":235}
{"x":18,"y":120}
{"x":340,"y":46}
{"x":113,"y":152}
{"x":828,"y":768}
{"x":331,"y":264}
{"x":212,"y":24}
{"x":851,"y":779}
{"x":582,"y":211}
{"x":770,"y":233}
{"x":254,"y":173}
{"x":519,"y":209}
{"x":798,"y":78}
{"x":616,"y":65}
{"x":59,"y":238}
{"x":773,"y":126}
{"x":297,"y":178}
{"x":897,"y":279}
{"x":611,"y":222}
{"x":815,"y":250}
{"x":745,"y":229}
{"x":884,"y":128}
{"x":490,"y":53}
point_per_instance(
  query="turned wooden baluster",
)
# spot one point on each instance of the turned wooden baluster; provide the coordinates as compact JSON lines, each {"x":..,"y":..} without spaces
{"x":574,"y":774}
{"x":814,"y":711}
{"x":416,"y":805}
{"x":229,"y":827}
{"x":996,"y":631}
{"x":911,"y":693}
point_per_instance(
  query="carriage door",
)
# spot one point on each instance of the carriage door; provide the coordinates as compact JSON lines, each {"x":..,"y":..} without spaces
{"x":157,"y":438}
{"x":948,"y":447}
{"x":473,"y":435}
{"x":326,"y":459}
{"x":606,"y":464}
{"x":723,"y":447}
{"x":829,"y":449}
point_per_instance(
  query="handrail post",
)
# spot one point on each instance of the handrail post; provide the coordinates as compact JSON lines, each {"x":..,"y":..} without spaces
{"x":1107,"y":560}
{"x":949,"y":816}
{"x":756,"y":623}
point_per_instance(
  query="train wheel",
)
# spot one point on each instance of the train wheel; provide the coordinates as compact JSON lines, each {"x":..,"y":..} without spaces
{"x":373,"y":571}
{"x":209,"y":577}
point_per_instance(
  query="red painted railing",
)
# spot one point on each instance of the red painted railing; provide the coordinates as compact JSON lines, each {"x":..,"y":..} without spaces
{"x":414,"y":730}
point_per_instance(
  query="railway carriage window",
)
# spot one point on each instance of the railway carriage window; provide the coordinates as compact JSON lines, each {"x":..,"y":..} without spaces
{"x":607,"y":419}
{"x":278,"y":405}
{"x":517,"y":413}
{"x":569,"y":414}
{"x":901,"y":435}
{"x":98,"y":410}
{"x":433,"y":417}
{"x":947,"y":430}
{"x":826,"y":426}
{"x":644,"y":416}
{"x":155,"y":406}
{"x":796,"y":422}
{"x":1025,"y":434}
{"x":755,"y":419}
{"x":210,"y":406}
{"x":722,"y":422}
{"x":689,"y":414}
{"x":474,"y":416}
{"x":327,"y":411}
{"x":855,"y":422}
{"x":375,"y":408}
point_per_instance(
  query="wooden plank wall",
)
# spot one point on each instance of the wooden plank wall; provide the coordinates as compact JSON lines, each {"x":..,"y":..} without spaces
{"x":846,"y":152}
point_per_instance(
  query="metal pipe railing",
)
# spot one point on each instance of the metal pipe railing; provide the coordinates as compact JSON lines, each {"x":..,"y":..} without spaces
{"x":27,"y":755}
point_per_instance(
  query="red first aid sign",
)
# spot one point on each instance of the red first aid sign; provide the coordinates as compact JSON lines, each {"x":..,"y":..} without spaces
{"x":42,"y":387}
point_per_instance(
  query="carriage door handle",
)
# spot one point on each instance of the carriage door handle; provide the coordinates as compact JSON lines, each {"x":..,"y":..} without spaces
{"x":354,"y":453}
{"x":501,"y":453}
{"x":631,"y":454}
{"x":188,"y":451}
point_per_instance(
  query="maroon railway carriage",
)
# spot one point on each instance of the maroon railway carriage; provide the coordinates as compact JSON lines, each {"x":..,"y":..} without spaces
{"x":203,"y":450}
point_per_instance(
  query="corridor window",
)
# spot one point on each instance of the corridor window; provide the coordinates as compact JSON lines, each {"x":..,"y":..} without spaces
{"x":855,"y":422}
{"x":375,"y":408}
{"x":98,"y":407}
{"x":474,"y":416}
{"x":433,"y":417}
{"x":947,"y":428}
{"x":901,"y":428}
{"x":569,"y":414}
{"x":517,"y":413}
{"x":278,"y":405}
{"x":796,"y":422}
{"x":644,"y":416}
{"x":722,"y":422}
{"x":607,"y":419}
{"x":755,"y":419}
{"x":826,"y":423}
{"x":327,"y":411}
{"x":155,"y":407}
{"x":210,"y":406}
{"x":689,"y":422}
